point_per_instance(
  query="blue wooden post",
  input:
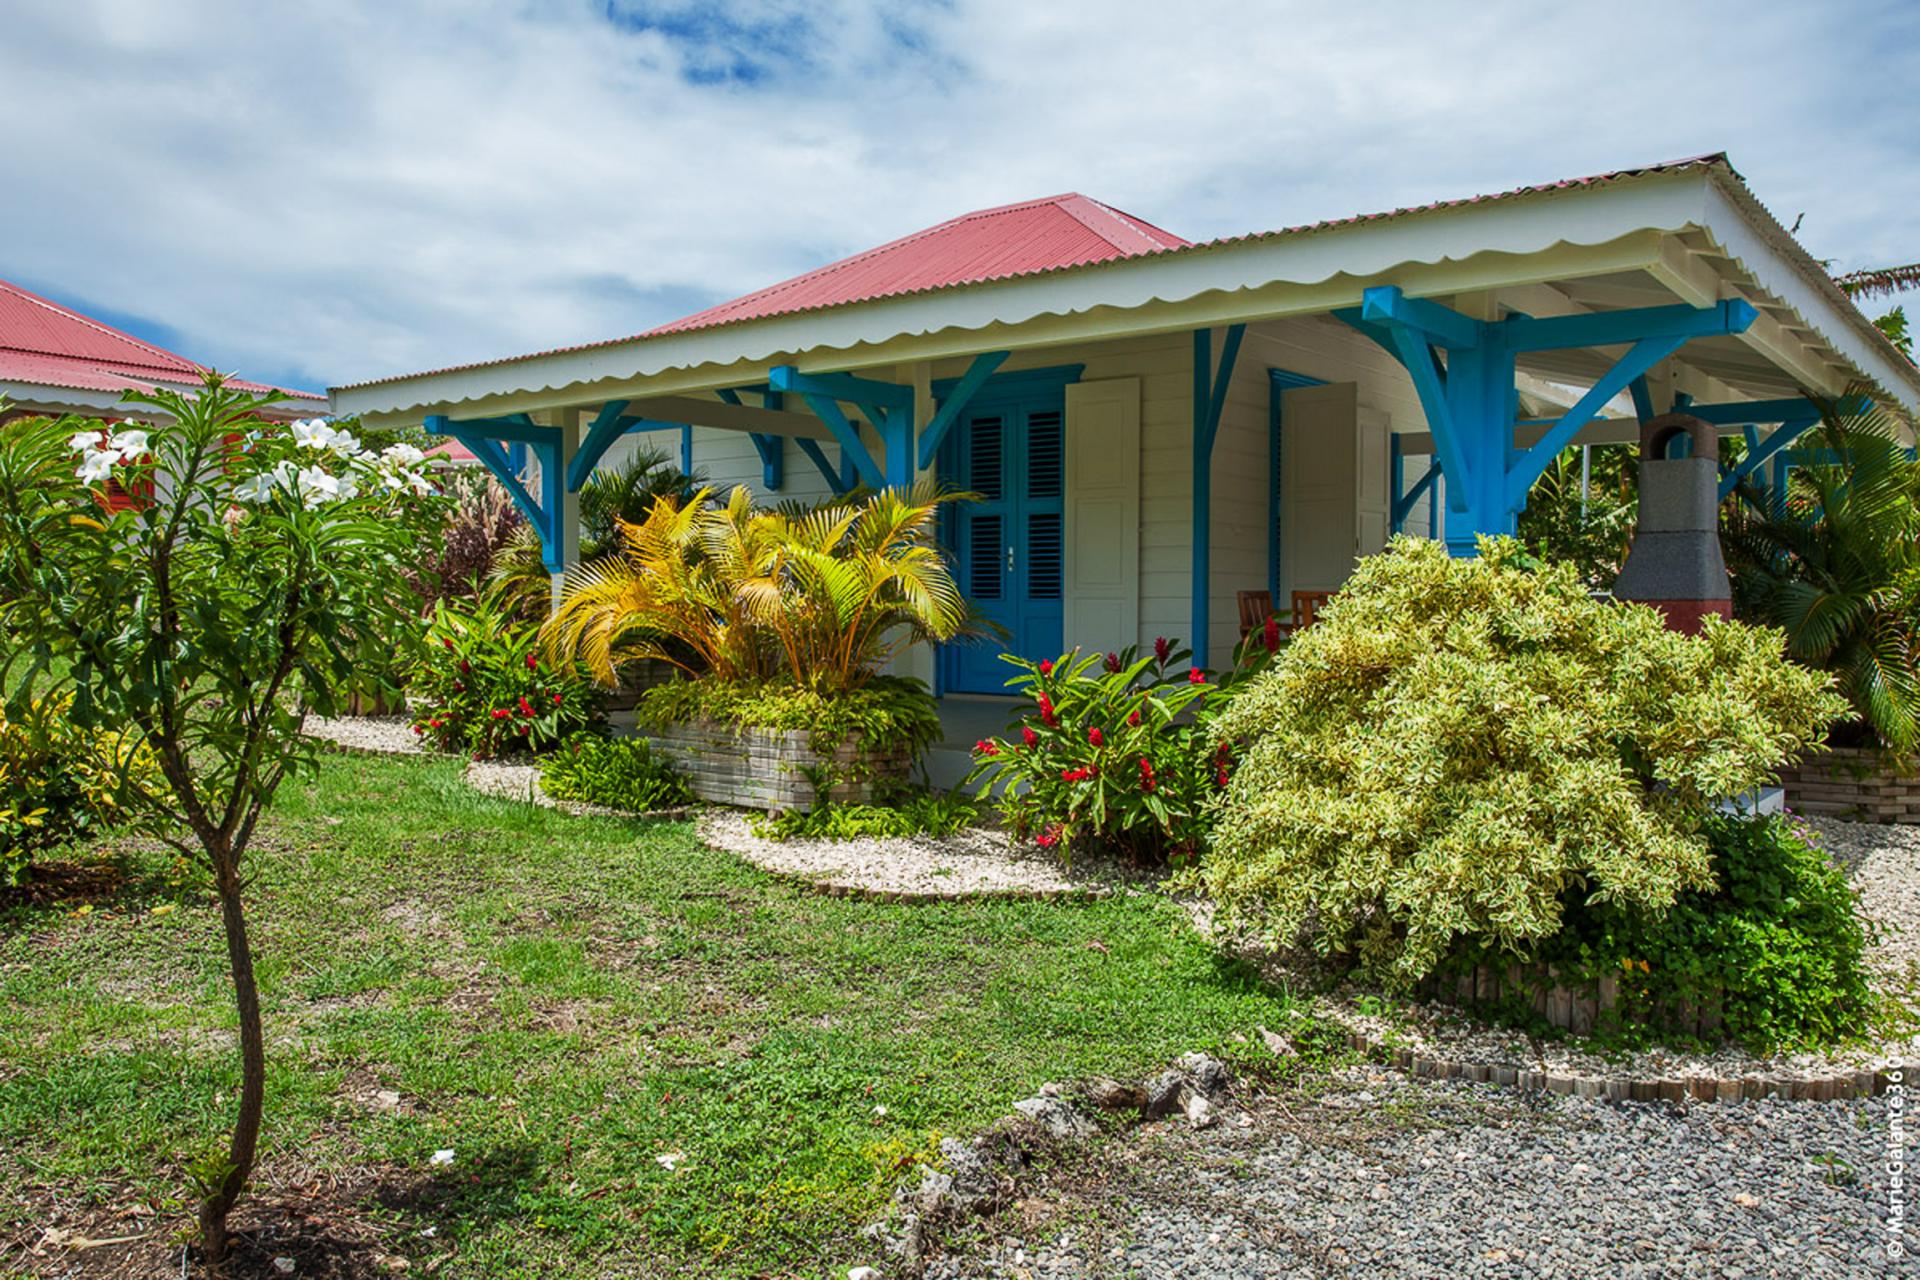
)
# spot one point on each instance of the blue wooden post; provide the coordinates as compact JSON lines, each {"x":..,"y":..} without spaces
{"x":1209,"y":399}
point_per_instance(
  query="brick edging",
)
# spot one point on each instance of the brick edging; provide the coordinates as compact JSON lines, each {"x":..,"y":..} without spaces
{"x":1830,"y":1088}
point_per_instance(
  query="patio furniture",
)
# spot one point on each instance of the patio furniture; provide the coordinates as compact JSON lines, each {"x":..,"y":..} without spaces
{"x":1307,"y":606}
{"x":1255,"y":608}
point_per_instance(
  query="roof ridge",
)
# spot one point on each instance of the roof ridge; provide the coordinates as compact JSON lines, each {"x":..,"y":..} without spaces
{"x":168,"y":359}
{"x":1143,"y":241}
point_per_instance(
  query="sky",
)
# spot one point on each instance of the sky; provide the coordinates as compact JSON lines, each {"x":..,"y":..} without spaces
{"x":322,"y":193}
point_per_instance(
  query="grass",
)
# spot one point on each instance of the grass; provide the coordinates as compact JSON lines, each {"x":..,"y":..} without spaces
{"x":560,"y":1001}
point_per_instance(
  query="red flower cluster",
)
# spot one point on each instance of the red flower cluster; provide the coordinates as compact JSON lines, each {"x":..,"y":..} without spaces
{"x":1028,"y":736}
{"x":1161,"y":649}
{"x":1113,"y":663}
{"x":500,"y":713}
{"x":1134,"y":719}
{"x":533,"y":661}
{"x":526,"y":708}
{"x":1077,"y":775}
{"x":1222,"y":761}
{"x":986,"y":747}
{"x":1095,"y":737}
{"x":556,"y":699}
{"x":1047,"y":716}
{"x":1048,"y":838}
{"x":1146,"y":774}
{"x":1196,"y":676}
{"x":1046,"y":667}
{"x":1270,"y":634}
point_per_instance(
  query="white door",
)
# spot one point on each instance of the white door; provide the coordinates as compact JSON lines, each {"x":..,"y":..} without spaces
{"x":1103,"y":515}
{"x":1372,"y":483}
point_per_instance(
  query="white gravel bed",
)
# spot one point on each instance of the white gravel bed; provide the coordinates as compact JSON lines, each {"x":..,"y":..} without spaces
{"x":1884,"y":865}
{"x":1380,"y":1175}
{"x":978,"y":862}
{"x":388,"y":735}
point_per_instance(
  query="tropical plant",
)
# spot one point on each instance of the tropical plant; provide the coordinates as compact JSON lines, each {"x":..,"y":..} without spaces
{"x":886,"y":713}
{"x":1835,"y":564}
{"x":482,"y":686}
{"x":824,"y":599}
{"x":1775,"y":947}
{"x":59,"y":781}
{"x":1458,"y":742}
{"x":619,"y":773}
{"x":481,"y":523}
{"x":901,"y":815}
{"x":1118,"y":752}
{"x":255,"y":583}
{"x":611,"y":496}
{"x":1590,"y":530}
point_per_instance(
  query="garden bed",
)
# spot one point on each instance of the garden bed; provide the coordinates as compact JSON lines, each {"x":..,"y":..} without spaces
{"x":757,"y":768}
{"x":1857,"y":784}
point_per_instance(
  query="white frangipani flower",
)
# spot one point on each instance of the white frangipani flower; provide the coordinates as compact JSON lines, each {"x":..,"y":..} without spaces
{"x":130,"y":444}
{"x":255,"y":488}
{"x":97,"y":466}
{"x":82,"y":441}
{"x":402,"y":455}
{"x":311,"y":433}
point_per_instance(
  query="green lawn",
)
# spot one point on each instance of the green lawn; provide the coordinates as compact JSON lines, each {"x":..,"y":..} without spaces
{"x":560,"y":1001}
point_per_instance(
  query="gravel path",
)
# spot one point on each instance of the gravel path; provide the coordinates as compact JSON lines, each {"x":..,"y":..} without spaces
{"x":517,"y":780}
{"x":974,"y":863}
{"x":1884,"y":864}
{"x":1383,"y":1176}
{"x":390,"y":735}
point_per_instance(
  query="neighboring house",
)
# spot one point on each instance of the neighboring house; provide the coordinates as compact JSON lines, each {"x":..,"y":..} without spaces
{"x":1155,"y":425}
{"x":53,"y":360}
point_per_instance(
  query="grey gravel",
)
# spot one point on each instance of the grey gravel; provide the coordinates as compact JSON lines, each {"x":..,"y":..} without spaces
{"x":1884,"y":864}
{"x":1381,"y":1175}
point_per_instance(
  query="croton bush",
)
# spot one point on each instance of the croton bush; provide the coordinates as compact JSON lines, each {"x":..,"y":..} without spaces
{"x":483,"y":686}
{"x":1459,"y":743}
{"x":1117,"y":752}
{"x":60,"y":781}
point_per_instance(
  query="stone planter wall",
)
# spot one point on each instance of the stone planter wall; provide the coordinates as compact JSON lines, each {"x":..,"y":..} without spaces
{"x":1576,"y":1008}
{"x":768,"y":768}
{"x":1857,"y":784}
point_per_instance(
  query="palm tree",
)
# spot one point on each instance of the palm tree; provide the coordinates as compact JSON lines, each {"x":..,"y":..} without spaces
{"x":824,"y":597}
{"x":1836,"y":566}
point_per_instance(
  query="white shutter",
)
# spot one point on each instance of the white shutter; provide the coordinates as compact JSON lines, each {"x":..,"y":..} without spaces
{"x":1319,"y":479}
{"x":1372,"y":483}
{"x":1102,"y":605}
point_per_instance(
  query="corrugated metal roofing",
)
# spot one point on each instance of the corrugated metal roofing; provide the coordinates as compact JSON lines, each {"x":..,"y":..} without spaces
{"x":43,"y":344}
{"x":990,"y":244}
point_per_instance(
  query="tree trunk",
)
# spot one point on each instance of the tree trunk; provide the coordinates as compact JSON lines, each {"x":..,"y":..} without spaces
{"x":222,"y":1197}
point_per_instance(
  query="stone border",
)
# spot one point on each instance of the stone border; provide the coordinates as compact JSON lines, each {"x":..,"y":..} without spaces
{"x":1855,"y":784}
{"x":1831,"y":1088}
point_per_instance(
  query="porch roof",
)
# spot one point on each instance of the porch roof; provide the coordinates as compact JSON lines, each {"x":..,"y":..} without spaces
{"x":1688,"y":232}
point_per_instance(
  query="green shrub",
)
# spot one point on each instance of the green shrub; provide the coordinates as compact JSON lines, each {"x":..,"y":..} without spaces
{"x":620,"y":773}
{"x":916,"y":813}
{"x":1105,"y":759}
{"x":1777,"y":947}
{"x":885,"y":712}
{"x":482,"y":686}
{"x":1458,"y":743}
{"x":59,"y":782}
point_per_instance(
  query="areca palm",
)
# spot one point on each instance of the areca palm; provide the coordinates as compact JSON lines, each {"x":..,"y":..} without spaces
{"x":824,"y":597}
{"x":1836,"y":566}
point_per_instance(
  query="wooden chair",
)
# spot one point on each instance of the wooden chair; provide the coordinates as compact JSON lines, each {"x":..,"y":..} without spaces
{"x":1307,"y":606}
{"x":1255,"y":608}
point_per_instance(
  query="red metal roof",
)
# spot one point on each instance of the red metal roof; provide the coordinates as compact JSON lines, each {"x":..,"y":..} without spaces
{"x":43,"y":344}
{"x":991,"y":244}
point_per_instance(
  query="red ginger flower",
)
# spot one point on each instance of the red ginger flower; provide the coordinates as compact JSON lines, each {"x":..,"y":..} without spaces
{"x":556,"y":699}
{"x":526,"y":708}
{"x":986,"y":747}
{"x":1076,"y":775}
{"x":1161,"y":649}
{"x":501,"y":713}
{"x":466,"y":668}
{"x":1046,"y":712}
{"x":1270,"y":634}
{"x":1027,"y":734}
{"x":1095,"y":737}
{"x":533,"y":660}
{"x":1134,"y":719}
{"x":1146,"y":774}
{"x":1113,"y":662}
{"x":1046,"y":667}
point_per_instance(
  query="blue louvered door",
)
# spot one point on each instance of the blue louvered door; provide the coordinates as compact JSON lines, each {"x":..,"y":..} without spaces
{"x":1009,"y":543}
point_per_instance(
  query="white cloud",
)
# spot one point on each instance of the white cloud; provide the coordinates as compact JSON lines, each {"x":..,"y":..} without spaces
{"x":365,"y":187}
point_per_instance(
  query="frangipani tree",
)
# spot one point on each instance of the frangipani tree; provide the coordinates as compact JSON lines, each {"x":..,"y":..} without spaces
{"x":252,"y":579}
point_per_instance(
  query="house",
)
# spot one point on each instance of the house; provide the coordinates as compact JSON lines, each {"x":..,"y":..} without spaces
{"x":1154,"y":425}
{"x":53,"y":361}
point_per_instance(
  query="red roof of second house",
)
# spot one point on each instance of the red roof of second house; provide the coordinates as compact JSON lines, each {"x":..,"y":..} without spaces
{"x":1069,"y":230}
{"x":43,"y":344}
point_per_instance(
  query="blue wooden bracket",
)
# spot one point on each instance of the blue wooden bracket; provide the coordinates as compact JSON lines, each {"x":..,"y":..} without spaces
{"x":772,"y":449}
{"x":1529,"y":466}
{"x":1403,"y":502}
{"x":1209,"y":401}
{"x":607,"y":426}
{"x":956,"y":402}
{"x":837,"y":482}
{"x":888,"y":406}
{"x":1760,"y":451}
{"x":482,"y":438}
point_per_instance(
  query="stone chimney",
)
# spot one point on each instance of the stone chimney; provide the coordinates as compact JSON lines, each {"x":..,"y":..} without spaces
{"x":1675,"y":562}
